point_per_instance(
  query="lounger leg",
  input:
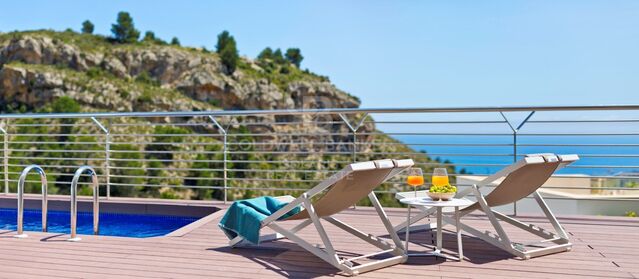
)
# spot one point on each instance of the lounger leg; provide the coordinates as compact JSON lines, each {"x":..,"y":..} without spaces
{"x":235,"y":241}
{"x":551,"y":217}
{"x":493,"y":220}
{"x":387,"y":224}
{"x":320,"y":230}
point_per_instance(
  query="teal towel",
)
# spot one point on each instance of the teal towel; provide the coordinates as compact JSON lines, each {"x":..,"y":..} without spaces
{"x":244,"y":217}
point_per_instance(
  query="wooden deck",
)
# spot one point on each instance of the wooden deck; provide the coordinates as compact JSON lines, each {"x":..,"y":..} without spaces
{"x":603,"y":247}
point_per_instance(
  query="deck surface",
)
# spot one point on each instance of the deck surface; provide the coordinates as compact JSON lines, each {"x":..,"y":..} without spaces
{"x":603,"y":247}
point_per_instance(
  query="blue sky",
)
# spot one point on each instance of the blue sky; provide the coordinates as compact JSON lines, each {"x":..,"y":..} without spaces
{"x":405,"y":53}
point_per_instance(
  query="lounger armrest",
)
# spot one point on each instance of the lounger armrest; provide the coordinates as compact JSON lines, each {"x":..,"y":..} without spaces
{"x":568,"y":158}
{"x":404,"y":163}
{"x":363,"y":166}
{"x":384,"y":164}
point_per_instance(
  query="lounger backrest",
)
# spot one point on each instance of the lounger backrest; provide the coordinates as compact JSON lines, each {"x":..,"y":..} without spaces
{"x":354,"y":184}
{"x":521,"y":182}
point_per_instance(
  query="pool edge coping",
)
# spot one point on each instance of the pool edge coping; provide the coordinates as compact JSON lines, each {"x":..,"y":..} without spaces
{"x":195,"y":225}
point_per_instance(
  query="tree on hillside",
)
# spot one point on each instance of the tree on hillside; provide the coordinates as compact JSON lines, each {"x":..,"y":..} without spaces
{"x":87,"y":27}
{"x":227,"y":50}
{"x":267,"y":53}
{"x":175,"y":41}
{"x":149,"y":36}
{"x":294,"y":55}
{"x":124,"y":31}
{"x":278,"y":57}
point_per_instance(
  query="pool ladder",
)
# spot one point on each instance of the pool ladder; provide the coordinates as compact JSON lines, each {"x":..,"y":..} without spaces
{"x":74,"y":200}
{"x":21,"y":180}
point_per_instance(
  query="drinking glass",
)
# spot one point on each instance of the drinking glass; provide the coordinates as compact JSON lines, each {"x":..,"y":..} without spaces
{"x":440,"y":177}
{"x":415,"y":178}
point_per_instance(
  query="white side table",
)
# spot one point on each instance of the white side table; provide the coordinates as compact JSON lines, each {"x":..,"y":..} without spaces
{"x":427,"y":202}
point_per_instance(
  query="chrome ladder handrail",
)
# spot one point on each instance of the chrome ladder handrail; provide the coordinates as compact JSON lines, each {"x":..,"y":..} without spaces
{"x":74,"y":201}
{"x":21,"y":180}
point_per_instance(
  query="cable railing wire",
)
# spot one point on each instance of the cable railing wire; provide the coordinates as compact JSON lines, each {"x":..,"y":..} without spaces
{"x":260,"y":151}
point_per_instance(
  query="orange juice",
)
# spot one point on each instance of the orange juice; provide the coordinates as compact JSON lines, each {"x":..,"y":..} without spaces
{"x":440,"y":180}
{"x":415,"y":180}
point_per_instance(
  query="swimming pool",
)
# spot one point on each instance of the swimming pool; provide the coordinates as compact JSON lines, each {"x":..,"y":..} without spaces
{"x":113,"y":224}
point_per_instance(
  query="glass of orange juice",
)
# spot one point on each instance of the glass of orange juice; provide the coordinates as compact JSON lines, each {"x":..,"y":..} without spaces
{"x":415,"y":178}
{"x":440,"y":177}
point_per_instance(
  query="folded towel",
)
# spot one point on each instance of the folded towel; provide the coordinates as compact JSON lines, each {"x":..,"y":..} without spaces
{"x":244,"y":217}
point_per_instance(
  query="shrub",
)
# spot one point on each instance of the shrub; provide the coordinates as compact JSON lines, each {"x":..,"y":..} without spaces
{"x":149,"y":37}
{"x":227,"y":50}
{"x":65,"y":104}
{"x":87,"y":27}
{"x":631,"y":214}
{"x":294,"y":55}
{"x":175,"y":41}
{"x":278,"y":57}
{"x":124,"y":31}
{"x":267,"y":53}
{"x":146,"y":78}
{"x":285,"y":70}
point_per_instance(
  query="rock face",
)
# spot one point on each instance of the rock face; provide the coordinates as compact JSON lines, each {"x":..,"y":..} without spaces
{"x":198,"y":76}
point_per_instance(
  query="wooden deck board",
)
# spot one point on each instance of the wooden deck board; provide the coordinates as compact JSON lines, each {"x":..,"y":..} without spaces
{"x":603,"y":247}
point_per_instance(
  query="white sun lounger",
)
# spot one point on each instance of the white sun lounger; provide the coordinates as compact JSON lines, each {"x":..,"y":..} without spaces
{"x":521,"y":179}
{"x":342,"y":190}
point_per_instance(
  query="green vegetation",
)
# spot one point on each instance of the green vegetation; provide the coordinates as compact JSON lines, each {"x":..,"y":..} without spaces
{"x":294,"y":55}
{"x":631,"y":214}
{"x":149,"y":37}
{"x":124,"y":30}
{"x":227,"y":50}
{"x":63,"y":104}
{"x":175,"y":41}
{"x":267,"y":53}
{"x":87,"y":27}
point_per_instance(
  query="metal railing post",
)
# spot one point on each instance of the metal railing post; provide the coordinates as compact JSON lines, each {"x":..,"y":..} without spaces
{"x":21,"y":180}
{"x":107,"y":153}
{"x":354,"y":132}
{"x":225,"y":154}
{"x":74,"y":201}
{"x":5,"y":154}
{"x":515,"y":132}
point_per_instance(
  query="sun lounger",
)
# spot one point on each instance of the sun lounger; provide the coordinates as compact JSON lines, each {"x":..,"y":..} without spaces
{"x":520,"y":180}
{"x":341,"y":191}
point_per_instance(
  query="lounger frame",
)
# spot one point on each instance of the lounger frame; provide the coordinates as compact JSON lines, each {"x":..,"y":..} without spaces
{"x":327,"y":251}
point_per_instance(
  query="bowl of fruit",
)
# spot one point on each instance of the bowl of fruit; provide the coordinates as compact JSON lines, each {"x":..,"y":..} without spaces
{"x":442,"y":192}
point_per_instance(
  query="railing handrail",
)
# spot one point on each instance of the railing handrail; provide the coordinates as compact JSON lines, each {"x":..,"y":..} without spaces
{"x":315,"y":111}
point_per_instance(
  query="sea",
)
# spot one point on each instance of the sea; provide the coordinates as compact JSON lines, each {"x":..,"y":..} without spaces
{"x":600,"y":155}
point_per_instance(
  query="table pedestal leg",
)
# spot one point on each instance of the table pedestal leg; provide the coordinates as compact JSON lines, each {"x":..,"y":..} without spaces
{"x":439,"y":229}
{"x":459,"y":236}
{"x":407,"y":229}
{"x":439,"y":241}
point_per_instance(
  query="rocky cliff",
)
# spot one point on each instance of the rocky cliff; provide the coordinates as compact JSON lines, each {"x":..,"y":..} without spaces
{"x":38,"y":66}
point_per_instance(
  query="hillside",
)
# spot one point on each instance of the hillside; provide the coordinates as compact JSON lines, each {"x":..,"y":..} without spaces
{"x":56,"y":71}
{"x":118,"y":77}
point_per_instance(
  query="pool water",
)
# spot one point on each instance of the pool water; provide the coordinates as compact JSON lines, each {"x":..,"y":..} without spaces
{"x":113,"y":224}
